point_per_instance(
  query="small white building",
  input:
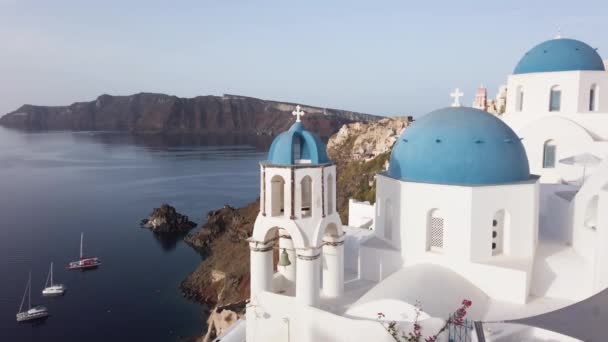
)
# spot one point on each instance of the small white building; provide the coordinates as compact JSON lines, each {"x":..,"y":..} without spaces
{"x":458,"y":193}
{"x":510,"y":212}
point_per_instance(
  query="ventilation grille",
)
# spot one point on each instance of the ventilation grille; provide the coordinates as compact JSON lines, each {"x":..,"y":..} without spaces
{"x":436,"y":232}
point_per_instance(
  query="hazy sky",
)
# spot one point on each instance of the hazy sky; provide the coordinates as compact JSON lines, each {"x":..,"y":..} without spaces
{"x":381,"y":57}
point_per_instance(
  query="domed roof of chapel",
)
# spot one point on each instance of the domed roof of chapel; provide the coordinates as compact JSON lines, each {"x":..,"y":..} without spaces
{"x":297,"y":146}
{"x":459,"y":145}
{"x":560,"y":54}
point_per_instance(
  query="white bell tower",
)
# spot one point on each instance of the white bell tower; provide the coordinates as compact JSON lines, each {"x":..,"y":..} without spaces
{"x":298,"y":219}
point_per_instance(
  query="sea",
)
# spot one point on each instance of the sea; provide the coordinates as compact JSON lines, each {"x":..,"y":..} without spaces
{"x":56,"y":185}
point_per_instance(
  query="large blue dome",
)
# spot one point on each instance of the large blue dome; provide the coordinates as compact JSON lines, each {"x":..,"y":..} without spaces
{"x":297,"y":146}
{"x":459,"y":145}
{"x":560,"y":55}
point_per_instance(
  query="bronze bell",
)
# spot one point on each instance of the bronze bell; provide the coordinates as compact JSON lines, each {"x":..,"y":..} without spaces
{"x":284,"y":259}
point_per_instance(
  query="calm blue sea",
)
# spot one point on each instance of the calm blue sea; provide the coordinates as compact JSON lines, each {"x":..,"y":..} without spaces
{"x":55,"y":185}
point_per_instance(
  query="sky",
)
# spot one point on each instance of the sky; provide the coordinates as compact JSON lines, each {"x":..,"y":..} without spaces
{"x":378,"y":57}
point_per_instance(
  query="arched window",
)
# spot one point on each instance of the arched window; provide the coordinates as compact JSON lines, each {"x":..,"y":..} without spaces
{"x":306,"y":188}
{"x":593,"y":96}
{"x":435,"y":230}
{"x":519,"y":99}
{"x":555,"y":100}
{"x":388,"y":219}
{"x":591,"y":213}
{"x":331,"y":197}
{"x":500,"y":224}
{"x":297,"y":149}
{"x":549,"y":154}
{"x":277,"y":196}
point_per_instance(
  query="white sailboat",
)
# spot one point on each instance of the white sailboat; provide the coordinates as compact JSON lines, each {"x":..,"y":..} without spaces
{"x":83,"y":263}
{"x":51,"y":289}
{"x":31,"y":313}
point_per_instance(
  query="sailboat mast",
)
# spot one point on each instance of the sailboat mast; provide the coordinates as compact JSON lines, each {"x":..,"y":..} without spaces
{"x":81,"y":237}
{"x":51,"y":274}
{"x":29,"y":297}
{"x":23,"y":299}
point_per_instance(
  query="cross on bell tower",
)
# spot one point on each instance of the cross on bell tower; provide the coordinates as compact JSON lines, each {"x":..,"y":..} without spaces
{"x":457,"y":94}
{"x":298,"y":113}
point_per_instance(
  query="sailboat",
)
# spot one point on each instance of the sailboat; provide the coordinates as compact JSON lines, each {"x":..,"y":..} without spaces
{"x":83,"y":263}
{"x":31,"y":313}
{"x":51,"y":289}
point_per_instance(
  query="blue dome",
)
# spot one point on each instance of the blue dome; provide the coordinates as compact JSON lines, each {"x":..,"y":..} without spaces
{"x":560,"y":55}
{"x":284,"y":148}
{"x":462,"y":146}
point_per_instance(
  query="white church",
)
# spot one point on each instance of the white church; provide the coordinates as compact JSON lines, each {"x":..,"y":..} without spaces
{"x":509,"y":212}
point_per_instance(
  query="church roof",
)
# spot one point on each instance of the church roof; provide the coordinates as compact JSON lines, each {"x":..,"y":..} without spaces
{"x":560,"y":54}
{"x":461,"y":146}
{"x":284,"y":148}
{"x":424,"y":283}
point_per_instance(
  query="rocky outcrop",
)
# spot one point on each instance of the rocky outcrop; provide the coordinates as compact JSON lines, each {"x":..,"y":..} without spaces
{"x":159,"y":113}
{"x":223,"y":276}
{"x":366,"y":140}
{"x":166,"y":220}
{"x":361,"y":150}
{"x":221,"y":319}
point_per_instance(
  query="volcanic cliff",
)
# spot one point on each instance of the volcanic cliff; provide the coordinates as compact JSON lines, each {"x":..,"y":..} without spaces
{"x":160,"y":113}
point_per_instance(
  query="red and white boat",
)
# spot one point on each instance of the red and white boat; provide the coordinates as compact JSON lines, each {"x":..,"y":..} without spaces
{"x":83,"y":263}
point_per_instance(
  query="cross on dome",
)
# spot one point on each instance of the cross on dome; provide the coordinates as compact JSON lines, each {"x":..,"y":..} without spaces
{"x":559,"y":33}
{"x":298,"y":113}
{"x":457,"y":94}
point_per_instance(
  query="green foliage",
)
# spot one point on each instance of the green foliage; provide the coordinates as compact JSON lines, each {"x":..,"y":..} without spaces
{"x":356,"y":179}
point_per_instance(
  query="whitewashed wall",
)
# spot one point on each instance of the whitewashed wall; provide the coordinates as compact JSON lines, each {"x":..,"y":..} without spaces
{"x":467,"y":213}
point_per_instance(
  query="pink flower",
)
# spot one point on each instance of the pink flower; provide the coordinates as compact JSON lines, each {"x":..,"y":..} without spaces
{"x":467,"y":303}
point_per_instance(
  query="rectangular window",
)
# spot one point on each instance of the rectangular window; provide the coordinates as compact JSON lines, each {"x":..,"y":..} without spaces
{"x":555,"y":102}
{"x":549,"y":156}
{"x":297,"y":150}
{"x":592,"y":100}
{"x":520,"y":102}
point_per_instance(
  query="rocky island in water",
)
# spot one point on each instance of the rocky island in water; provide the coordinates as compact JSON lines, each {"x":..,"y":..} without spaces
{"x":166,"y":220}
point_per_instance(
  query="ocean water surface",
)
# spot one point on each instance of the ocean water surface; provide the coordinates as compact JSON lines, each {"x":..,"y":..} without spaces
{"x":53,"y":186}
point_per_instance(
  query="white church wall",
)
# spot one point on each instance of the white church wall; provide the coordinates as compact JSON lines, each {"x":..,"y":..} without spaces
{"x":587,"y":80}
{"x":519,"y":203}
{"x":601,"y":257}
{"x":569,"y":138}
{"x":388,"y":213}
{"x":272,"y":317}
{"x":417,"y":204}
{"x":361,"y":214}
{"x":537,"y":89}
{"x":555,"y":214}
{"x":378,"y":260}
{"x":465,"y":211}
{"x":584,"y":237}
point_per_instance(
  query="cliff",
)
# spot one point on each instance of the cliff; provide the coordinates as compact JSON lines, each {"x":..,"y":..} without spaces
{"x":159,"y":113}
{"x":360,"y":151}
{"x":222,"y":279}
